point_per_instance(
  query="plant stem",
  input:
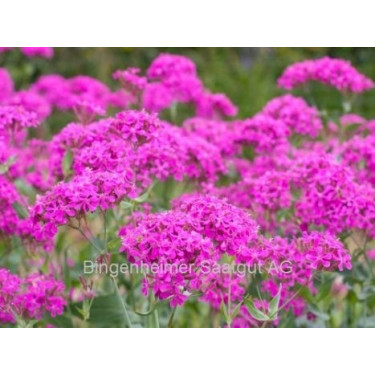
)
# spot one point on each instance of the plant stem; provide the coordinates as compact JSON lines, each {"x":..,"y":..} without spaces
{"x":86,"y":237}
{"x":229,"y":300}
{"x":105,"y":230}
{"x":367,"y":260}
{"x":126,"y":314}
{"x":156,"y":316}
{"x":170,"y":321}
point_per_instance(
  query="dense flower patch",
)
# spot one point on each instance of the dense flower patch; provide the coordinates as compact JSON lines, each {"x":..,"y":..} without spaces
{"x":245,"y":222}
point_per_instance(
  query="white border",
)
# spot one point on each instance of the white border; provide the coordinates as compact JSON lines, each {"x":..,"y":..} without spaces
{"x":175,"y":351}
{"x":271,"y":23}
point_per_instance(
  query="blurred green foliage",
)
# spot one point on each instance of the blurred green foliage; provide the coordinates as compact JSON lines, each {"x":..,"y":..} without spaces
{"x":247,"y":75}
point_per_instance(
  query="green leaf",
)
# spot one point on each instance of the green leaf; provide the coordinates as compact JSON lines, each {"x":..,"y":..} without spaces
{"x":256,"y":313}
{"x":85,"y":310}
{"x":24,"y":188}
{"x":236,"y":310}
{"x":284,"y":214}
{"x":126,"y":205}
{"x":81,"y":311}
{"x":305,"y":293}
{"x":343,"y":236}
{"x":324,"y":291}
{"x":273,"y":307}
{"x":65,"y":320}
{"x":347,"y":106}
{"x":114,"y":244}
{"x":4,"y":168}
{"x":31,"y":323}
{"x":224,"y":310}
{"x":107,"y":311}
{"x":367,"y":322}
{"x":318,"y":313}
{"x":21,"y":210}
{"x":147,"y":313}
{"x":352,"y":128}
{"x":67,"y":163}
{"x":143,"y":198}
{"x":352,"y":297}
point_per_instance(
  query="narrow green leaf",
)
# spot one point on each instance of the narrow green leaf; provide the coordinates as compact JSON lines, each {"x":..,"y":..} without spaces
{"x":114,"y":244}
{"x":67,"y":163}
{"x":236,"y":310}
{"x":143,"y":198}
{"x":324,"y":291}
{"x":4,"y":168}
{"x":307,"y":295}
{"x":224,"y":310}
{"x":255,"y":313}
{"x":126,"y":205}
{"x":147,"y":313}
{"x":80,"y":311}
{"x":21,"y":210}
{"x":318,"y":313}
{"x":274,"y":304}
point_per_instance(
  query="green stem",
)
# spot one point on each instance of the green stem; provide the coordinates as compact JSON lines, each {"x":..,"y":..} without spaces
{"x":156,"y":316}
{"x":126,"y":314}
{"x":89,"y":240}
{"x":229,"y":299}
{"x":86,"y":237}
{"x":367,"y":260}
{"x":170,"y":321}
{"x":105,"y":230}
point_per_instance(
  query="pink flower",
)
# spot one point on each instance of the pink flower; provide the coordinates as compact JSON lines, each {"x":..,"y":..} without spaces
{"x":81,"y":195}
{"x":29,"y":298}
{"x":214,"y":105}
{"x":333,"y":72}
{"x":130,"y":80}
{"x":296,"y":113}
{"x":371,"y":253}
{"x":351,"y":118}
{"x":168,"y":65}
{"x":46,"y":52}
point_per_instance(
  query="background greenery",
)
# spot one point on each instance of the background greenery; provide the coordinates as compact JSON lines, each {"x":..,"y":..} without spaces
{"x":247,"y":75}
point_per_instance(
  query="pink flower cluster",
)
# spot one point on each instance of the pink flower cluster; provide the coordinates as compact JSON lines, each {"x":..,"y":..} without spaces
{"x":136,"y":139}
{"x":74,"y":199}
{"x":9,"y":220}
{"x":359,"y":154}
{"x":199,"y":229}
{"x":313,"y":190}
{"x":46,"y":52}
{"x":130,"y":80}
{"x":30,"y":297}
{"x":13,"y":119}
{"x":296,"y":114}
{"x":174,"y":153}
{"x":85,"y":96}
{"x":19,"y":110}
{"x":263,"y":133}
{"x":337,"y":73}
{"x":331,"y":197}
{"x":188,"y":241}
{"x":173,"y":79}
